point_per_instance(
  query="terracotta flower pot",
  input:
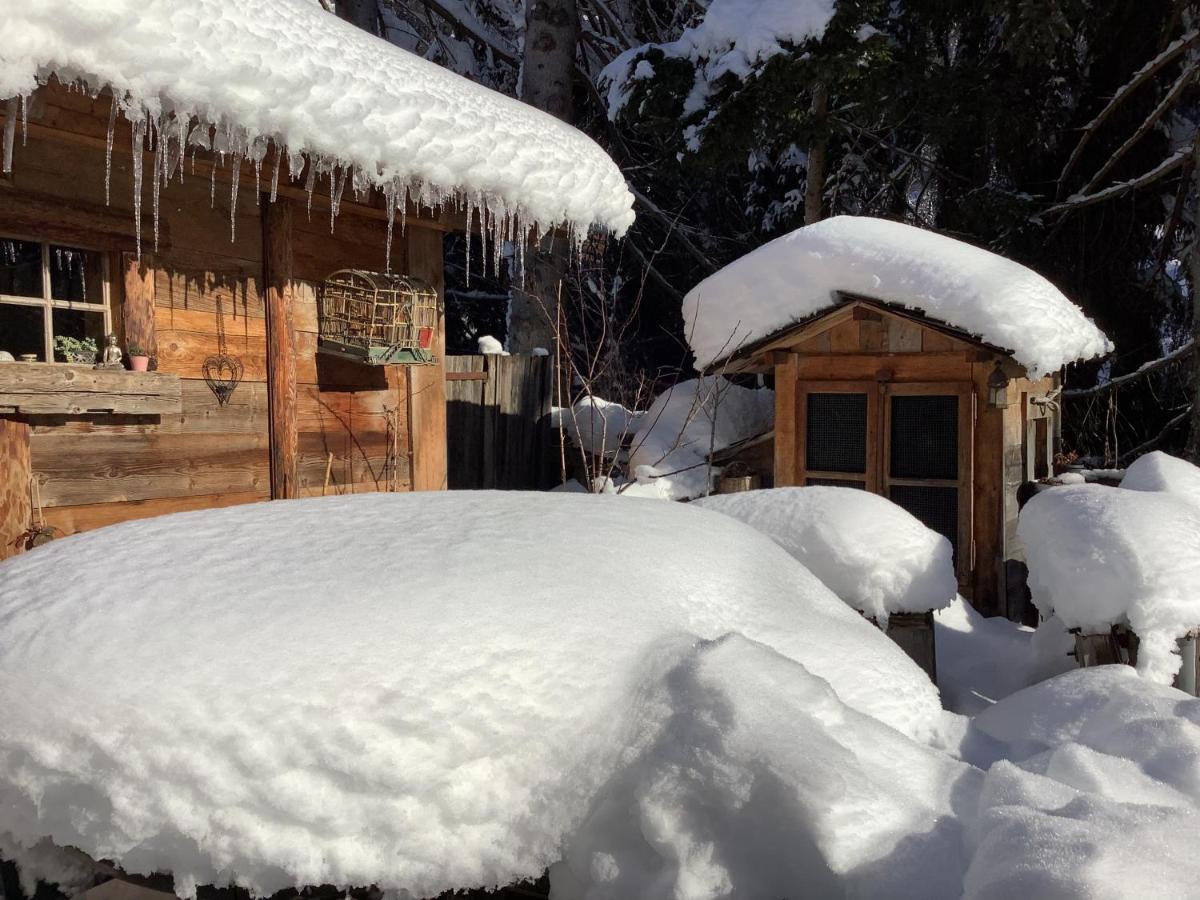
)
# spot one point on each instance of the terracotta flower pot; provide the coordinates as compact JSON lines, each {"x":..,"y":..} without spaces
{"x":139,"y":363}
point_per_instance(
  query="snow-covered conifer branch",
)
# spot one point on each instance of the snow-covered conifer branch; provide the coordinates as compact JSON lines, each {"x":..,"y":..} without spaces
{"x":1144,"y":370}
{"x":1078,"y":201}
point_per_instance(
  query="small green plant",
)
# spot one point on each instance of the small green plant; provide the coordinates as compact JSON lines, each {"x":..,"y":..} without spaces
{"x":76,"y":350}
{"x":138,"y":350}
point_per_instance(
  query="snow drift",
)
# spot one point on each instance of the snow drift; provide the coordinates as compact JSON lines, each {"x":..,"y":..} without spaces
{"x":1101,"y":556}
{"x":391,"y":689}
{"x":1158,"y":471}
{"x":797,"y":275}
{"x":874,"y":555}
{"x":287,"y":71}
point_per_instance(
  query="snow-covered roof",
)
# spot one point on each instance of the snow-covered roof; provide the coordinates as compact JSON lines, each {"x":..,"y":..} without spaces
{"x":287,"y":70}
{"x":796,"y":276}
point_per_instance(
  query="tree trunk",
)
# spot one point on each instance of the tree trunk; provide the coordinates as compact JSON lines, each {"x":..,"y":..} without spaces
{"x":548,"y":70}
{"x":1193,"y":444}
{"x":361,"y":13}
{"x":814,"y":189}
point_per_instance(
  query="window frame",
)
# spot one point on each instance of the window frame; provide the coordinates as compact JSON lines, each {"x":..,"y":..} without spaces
{"x":48,"y":303}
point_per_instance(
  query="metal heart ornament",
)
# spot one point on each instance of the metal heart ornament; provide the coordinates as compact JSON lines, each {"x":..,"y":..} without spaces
{"x":222,"y":374}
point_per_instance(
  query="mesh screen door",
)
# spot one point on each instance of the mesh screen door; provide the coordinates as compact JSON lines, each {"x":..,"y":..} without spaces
{"x":927,"y":458}
{"x":837,"y":440}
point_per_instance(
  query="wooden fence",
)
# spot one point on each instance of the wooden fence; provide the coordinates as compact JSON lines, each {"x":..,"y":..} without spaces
{"x":498,"y":422}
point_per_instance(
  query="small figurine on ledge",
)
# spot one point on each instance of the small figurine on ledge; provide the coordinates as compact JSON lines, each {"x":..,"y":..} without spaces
{"x":112,"y":358}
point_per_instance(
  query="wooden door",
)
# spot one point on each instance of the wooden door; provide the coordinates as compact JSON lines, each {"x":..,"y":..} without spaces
{"x":911,"y":443}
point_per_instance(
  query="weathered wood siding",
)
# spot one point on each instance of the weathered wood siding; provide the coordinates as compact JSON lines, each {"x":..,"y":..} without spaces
{"x":352,"y":423}
{"x":14,"y":485}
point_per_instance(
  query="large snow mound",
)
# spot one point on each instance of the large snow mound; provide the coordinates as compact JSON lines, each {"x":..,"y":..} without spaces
{"x":1158,"y":471}
{"x":287,"y":70}
{"x":874,"y":555}
{"x":1101,"y":556}
{"x":797,"y":275}
{"x":419,"y":692}
{"x":669,"y":455}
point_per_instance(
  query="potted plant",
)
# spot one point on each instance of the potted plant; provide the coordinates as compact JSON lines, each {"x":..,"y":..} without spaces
{"x":75,"y":350}
{"x":139,"y":358}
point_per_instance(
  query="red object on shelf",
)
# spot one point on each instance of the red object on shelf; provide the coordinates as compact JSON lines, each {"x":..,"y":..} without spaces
{"x":425,"y":338}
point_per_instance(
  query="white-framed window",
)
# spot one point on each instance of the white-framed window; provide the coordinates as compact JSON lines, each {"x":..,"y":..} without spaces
{"x":51,"y":290}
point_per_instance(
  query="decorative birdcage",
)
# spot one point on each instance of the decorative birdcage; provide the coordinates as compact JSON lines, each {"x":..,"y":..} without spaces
{"x":378,"y":318}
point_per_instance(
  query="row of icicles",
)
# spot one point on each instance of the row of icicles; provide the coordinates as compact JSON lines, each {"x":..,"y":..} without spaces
{"x":170,"y":136}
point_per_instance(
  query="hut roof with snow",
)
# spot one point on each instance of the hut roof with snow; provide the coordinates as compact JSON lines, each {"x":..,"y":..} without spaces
{"x":286,"y":70}
{"x":801,"y":275}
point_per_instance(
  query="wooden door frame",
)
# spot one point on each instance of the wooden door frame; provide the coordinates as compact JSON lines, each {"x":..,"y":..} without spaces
{"x":870,"y":477}
{"x":965,"y":483}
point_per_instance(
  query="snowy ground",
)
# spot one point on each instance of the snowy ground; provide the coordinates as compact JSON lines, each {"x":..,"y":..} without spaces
{"x":653,"y":700}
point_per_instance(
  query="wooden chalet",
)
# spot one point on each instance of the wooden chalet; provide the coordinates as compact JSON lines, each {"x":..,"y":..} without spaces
{"x":255,"y":389}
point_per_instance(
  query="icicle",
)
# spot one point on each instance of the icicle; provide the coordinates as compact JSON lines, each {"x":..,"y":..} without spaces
{"x":139,"y":134}
{"x":275,"y":172}
{"x":154,"y":190}
{"x":310,"y":185}
{"x":389,"y":196}
{"x":236,"y":162}
{"x":10,"y":132}
{"x":24,"y":120}
{"x":404,"y":210}
{"x":336,"y":186}
{"x":212,"y":187}
{"x":112,"y":125}
{"x":470,"y":218}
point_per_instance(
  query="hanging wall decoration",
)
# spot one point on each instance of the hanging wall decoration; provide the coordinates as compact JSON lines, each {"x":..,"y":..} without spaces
{"x":222,"y":373}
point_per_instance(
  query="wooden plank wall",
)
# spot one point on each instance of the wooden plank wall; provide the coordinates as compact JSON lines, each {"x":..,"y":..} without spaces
{"x":353,"y":422}
{"x":14,"y":485}
{"x":498,"y":410}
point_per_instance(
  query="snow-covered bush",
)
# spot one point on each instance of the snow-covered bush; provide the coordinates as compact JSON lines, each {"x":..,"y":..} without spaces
{"x":874,"y":555}
{"x":1103,"y":556}
{"x":422,"y":691}
{"x":596,"y":425}
{"x":1158,"y":471}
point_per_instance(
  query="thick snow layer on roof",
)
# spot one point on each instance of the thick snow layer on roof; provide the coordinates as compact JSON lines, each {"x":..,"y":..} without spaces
{"x":1101,"y":556}
{"x":874,"y":555}
{"x":1158,"y":471}
{"x":793,"y":277}
{"x":669,"y":453}
{"x":421,"y":691}
{"x":287,"y":70}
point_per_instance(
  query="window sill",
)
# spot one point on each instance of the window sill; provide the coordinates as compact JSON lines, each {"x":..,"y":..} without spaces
{"x":59,"y":389}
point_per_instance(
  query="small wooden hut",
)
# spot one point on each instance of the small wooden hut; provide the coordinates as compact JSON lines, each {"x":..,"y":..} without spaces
{"x":179,"y":190}
{"x":875,"y":391}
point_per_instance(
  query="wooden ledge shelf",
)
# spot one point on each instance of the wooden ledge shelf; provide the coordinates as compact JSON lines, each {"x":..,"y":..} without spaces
{"x":50,"y":389}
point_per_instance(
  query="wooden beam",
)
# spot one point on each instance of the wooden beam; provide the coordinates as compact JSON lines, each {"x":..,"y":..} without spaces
{"x":137,"y":305}
{"x":786,"y":376}
{"x":50,"y":389}
{"x":427,"y":384}
{"x":281,"y":346}
{"x":15,"y":510}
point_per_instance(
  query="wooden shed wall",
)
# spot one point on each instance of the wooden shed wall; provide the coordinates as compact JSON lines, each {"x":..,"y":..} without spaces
{"x":100,"y":469}
{"x":880,"y":348}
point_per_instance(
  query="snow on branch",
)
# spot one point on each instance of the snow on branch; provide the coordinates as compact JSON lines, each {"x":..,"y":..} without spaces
{"x":1142,"y":372}
{"x":1140,"y":77}
{"x":1078,"y":201}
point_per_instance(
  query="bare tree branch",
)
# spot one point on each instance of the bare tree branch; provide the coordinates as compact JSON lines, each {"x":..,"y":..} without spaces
{"x":1142,"y":372}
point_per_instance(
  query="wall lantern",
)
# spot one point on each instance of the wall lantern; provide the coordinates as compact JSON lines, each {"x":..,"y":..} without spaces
{"x":997,"y":388}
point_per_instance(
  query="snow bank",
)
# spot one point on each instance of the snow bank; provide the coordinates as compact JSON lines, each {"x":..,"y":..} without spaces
{"x":288,"y":71}
{"x":733,"y":37}
{"x":1102,"y":556}
{"x":391,"y":690}
{"x":874,"y":555}
{"x":489,"y":346}
{"x":1158,"y":471}
{"x":595,"y":424}
{"x":670,"y":449}
{"x":797,"y":275}
{"x":981,"y":660}
{"x":1099,"y":796}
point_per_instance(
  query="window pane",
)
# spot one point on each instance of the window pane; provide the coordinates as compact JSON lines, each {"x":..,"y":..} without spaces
{"x":81,"y":325}
{"x":76,"y":275}
{"x":23,"y":330}
{"x":835,"y":482}
{"x":924,"y":437}
{"x":836,"y":433}
{"x":936,"y":507}
{"x":20,"y":268}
